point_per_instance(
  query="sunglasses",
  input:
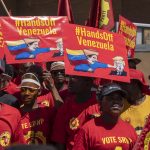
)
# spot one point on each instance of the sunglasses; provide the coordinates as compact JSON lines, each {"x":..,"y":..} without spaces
{"x":56,"y":72}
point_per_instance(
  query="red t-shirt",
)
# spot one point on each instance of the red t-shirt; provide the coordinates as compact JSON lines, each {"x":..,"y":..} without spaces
{"x":65,"y":95}
{"x":10,"y":126}
{"x":37,"y":125}
{"x":95,"y":135}
{"x":65,"y":87}
{"x":46,"y":99}
{"x":17,"y":80}
{"x":70,"y":117}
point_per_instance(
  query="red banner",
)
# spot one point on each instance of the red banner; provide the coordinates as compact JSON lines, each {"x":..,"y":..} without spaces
{"x":64,"y":9}
{"x":94,"y":14}
{"x":101,"y":14}
{"x":128,"y":30}
{"x":95,"y":53}
{"x":33,"y":39}
{"x":107,"y":18}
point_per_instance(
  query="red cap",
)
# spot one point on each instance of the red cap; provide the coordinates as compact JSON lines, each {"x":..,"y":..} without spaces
{"x":138,"y":75}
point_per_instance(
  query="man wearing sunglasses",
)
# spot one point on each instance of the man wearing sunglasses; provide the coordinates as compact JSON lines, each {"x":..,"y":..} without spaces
{"x":58,"y":74}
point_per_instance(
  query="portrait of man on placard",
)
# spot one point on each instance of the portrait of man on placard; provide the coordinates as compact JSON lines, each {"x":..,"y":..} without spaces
{"x":119,"y":64}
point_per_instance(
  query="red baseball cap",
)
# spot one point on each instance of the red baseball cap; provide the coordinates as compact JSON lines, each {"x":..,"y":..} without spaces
{"x":138,"y":75}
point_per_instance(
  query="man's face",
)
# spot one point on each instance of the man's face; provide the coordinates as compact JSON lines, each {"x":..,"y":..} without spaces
{"x":58,"y":75}
{"x":28,"y":95}
{"x":33,"y":46}
{"x":112,"y":104}
{"x":119,"y":65}
{"x":92,"y":58}
{"x":77,"y":84}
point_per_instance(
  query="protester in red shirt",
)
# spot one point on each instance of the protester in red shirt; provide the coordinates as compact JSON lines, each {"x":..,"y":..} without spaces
{"x":72,"y":114}
{"x":6,"y":87}
{"x":37,"y":120}
{"x":57,"y":70}
{"x":10,"y":126}
{"x":107,"y":132}
{"x":48,"y":95}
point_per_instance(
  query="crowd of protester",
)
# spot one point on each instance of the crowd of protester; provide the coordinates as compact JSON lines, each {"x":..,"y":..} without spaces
{"x":43,"y":108}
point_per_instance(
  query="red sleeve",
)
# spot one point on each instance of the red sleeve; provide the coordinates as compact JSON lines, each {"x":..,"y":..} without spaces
{"x":51,"y":100}
{"x":59,"y":128}
{"x":81,"y":141}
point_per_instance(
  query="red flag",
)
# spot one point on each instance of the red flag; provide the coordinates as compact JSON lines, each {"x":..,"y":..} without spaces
{"x":64,"y":9}
{"x":107,"y":18}
{"x":101,"y":14}
{"x":94,"y":14}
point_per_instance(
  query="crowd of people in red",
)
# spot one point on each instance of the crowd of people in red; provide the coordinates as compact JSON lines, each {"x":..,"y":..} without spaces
{"x":47,"y":107}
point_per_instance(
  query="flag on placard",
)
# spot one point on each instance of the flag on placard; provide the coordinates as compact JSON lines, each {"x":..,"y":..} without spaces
{"x":16,"y":45}
{"x":76,"y":57}
{"x":64,"y":9}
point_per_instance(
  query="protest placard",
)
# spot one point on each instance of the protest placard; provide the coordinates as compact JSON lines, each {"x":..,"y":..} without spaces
{"x":32,"y":39}
{"x":94,"y":53}
{"x":128,"y":30}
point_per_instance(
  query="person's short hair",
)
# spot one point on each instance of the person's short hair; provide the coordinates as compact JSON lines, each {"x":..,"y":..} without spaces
{"x":37,"y":70}
{"x":31,"y":147}
{"x":9,"y":70}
